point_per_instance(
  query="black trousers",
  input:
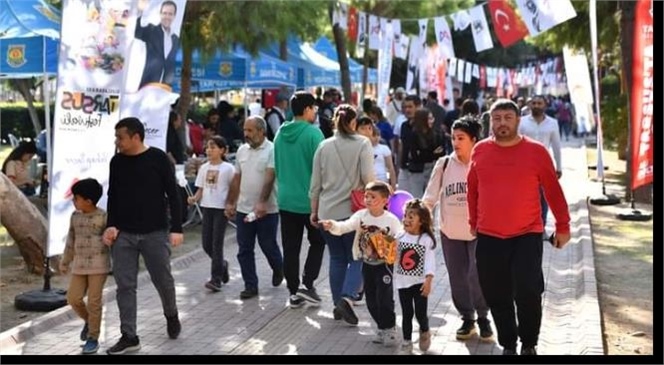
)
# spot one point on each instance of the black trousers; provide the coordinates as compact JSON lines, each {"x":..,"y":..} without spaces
{"x":411,"y":299}
{"x":292,"y":228}
{"x":379,"y":294}
{"x":510,"y":271}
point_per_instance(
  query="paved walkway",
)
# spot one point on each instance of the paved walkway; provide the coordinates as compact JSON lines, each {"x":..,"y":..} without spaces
{"x":222,"y":324}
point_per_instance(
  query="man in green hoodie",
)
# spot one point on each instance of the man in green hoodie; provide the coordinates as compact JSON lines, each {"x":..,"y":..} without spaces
{"x":294,"y":148}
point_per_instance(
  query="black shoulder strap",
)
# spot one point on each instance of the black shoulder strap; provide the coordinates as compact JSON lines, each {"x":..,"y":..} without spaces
{"x":447,"y":161}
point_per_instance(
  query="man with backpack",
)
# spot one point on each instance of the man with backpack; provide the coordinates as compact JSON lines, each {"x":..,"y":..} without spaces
{"x":276,"y":116}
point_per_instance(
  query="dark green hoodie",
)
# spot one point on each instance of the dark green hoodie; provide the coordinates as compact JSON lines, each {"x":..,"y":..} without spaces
{"x":294,"y":148}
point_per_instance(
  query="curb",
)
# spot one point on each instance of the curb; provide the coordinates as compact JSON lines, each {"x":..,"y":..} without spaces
{"x":27,"y":330}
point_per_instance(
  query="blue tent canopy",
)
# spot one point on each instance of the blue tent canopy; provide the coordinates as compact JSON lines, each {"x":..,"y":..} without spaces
{"x":310,"y":71}
{"x":325,"y":47}
{"x":29,"y":33}
{"x":236,"y":69}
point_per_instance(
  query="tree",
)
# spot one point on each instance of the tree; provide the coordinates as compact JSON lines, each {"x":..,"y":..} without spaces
{"x":28,"y":229}
{"x":219,"y":25}
{"x":25,"y":87}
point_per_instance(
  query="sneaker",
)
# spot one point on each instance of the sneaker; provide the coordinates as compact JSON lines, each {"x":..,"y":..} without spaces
{"x":345,"y":307}
{"x":486,"y":333}
{"x":84,"y":332}
{"x":126,"y":344}
{"x":248,"y":293}
{"x":407,"y":347}
{"x":214,"y":286}
{"x":277,"y":277}
{"x":309,"y":294}
{"x":91,"y":346}
{"x":528,"y":350}
{"x":378,"y":338}
{"x":173,"y":326}
{"x":390,"y":337}
{"x":507,"y":351}
{"x":425,"y":340}
{"x":225,"y":277}
{"x":336,"y":314}
{"x":466,"y":330}
{"x":295,"y":301}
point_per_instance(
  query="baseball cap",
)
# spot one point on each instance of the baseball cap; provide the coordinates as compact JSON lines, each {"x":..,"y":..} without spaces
{"x":400,"y":90}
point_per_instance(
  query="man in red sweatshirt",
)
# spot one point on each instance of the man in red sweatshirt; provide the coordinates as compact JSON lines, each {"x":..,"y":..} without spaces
{"x":504,"y":179}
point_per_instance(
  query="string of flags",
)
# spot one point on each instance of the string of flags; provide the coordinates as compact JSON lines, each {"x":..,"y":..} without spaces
{"x":536,"y":16}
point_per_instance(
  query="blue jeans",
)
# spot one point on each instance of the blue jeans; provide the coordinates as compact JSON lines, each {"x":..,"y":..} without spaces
{"x":345,"y":273}
{"x":266,"y":231}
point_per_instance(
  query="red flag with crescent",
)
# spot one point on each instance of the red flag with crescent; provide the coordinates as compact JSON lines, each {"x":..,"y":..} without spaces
{"x":352,"y":24}
{"x":507,"y":24}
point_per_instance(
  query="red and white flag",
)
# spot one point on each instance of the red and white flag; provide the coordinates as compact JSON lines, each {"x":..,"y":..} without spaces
{"x":352,"y":23}
{"x":507,"y":24}
{"x":542,"y":15}
{"x":642,"y":100}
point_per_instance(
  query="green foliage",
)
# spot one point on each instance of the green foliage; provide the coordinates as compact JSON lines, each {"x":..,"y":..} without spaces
{"x":16,"y":119}
{"x":614,"y":113}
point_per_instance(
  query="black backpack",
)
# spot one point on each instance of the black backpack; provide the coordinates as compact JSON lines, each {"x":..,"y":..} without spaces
{"x":270,"y":132}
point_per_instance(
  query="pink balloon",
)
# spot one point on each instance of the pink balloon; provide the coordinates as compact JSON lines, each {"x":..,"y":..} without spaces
{"x":397,"y":202}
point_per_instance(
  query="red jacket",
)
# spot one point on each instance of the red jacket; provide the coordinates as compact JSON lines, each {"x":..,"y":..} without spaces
{"x":504,"y":189}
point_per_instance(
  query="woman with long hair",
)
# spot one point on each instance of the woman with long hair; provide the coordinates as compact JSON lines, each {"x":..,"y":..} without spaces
{"x":425,"y":149}
{"x":17,"y":168}
{"x":342,"y":163}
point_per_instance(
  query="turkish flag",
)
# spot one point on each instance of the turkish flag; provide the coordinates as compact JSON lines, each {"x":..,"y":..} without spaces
{"x":507,"y":24}
{"x":352,"y":23}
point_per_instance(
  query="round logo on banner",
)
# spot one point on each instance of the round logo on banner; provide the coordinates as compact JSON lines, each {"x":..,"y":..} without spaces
{"x":387,"y":279}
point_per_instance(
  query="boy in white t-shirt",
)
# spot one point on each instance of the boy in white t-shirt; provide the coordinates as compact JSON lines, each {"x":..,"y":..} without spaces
{"x":383,"y":163}
{"x":213,"y":182}
{"x":374,"y":243}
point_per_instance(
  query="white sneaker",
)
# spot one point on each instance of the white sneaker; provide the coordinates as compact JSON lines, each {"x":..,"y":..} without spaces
{"x":407,"y":347}
{"x":378,"y":338}
{"x":390,"y":337}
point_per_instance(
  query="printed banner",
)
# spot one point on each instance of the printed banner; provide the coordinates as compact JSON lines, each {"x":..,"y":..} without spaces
{"x":352,"y":24}
{"x":385,"y":65}
{"x":578,"y":77}
{"x":374,"y":32}
{"x":641,"y":103}
{"x":93,"y":78}
{"x":480,"y":27}
{"x":542,"y":15}
{"x":444,"y":37}
{"x":153,"y":43}
{"x":362,"y":36}
{"x":413,"y":75}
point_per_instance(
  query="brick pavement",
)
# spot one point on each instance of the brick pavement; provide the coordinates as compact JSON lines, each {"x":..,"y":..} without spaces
{"x":222,"y":324}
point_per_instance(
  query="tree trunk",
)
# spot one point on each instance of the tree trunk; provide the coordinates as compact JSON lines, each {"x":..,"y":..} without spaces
{"x":283,"y":50}
{"x":340,"y":42}
{"x":185,"y":82}
{"x":24,"y":87}
{"x":25,"y":224}
{"x":642,"y":194}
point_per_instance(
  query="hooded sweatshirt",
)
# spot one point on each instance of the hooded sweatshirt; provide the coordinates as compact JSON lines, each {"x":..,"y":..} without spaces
{"x":448,"y":189}
{"x":294,"y":148}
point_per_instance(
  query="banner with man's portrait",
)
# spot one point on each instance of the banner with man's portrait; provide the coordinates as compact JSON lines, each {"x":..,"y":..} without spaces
{"x":95,"y":75}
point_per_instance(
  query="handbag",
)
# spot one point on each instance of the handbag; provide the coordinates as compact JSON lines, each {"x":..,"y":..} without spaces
{"x":356,"y":195}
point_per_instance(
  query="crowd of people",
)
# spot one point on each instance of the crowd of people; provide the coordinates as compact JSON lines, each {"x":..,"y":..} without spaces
{"x":330,"y":168}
